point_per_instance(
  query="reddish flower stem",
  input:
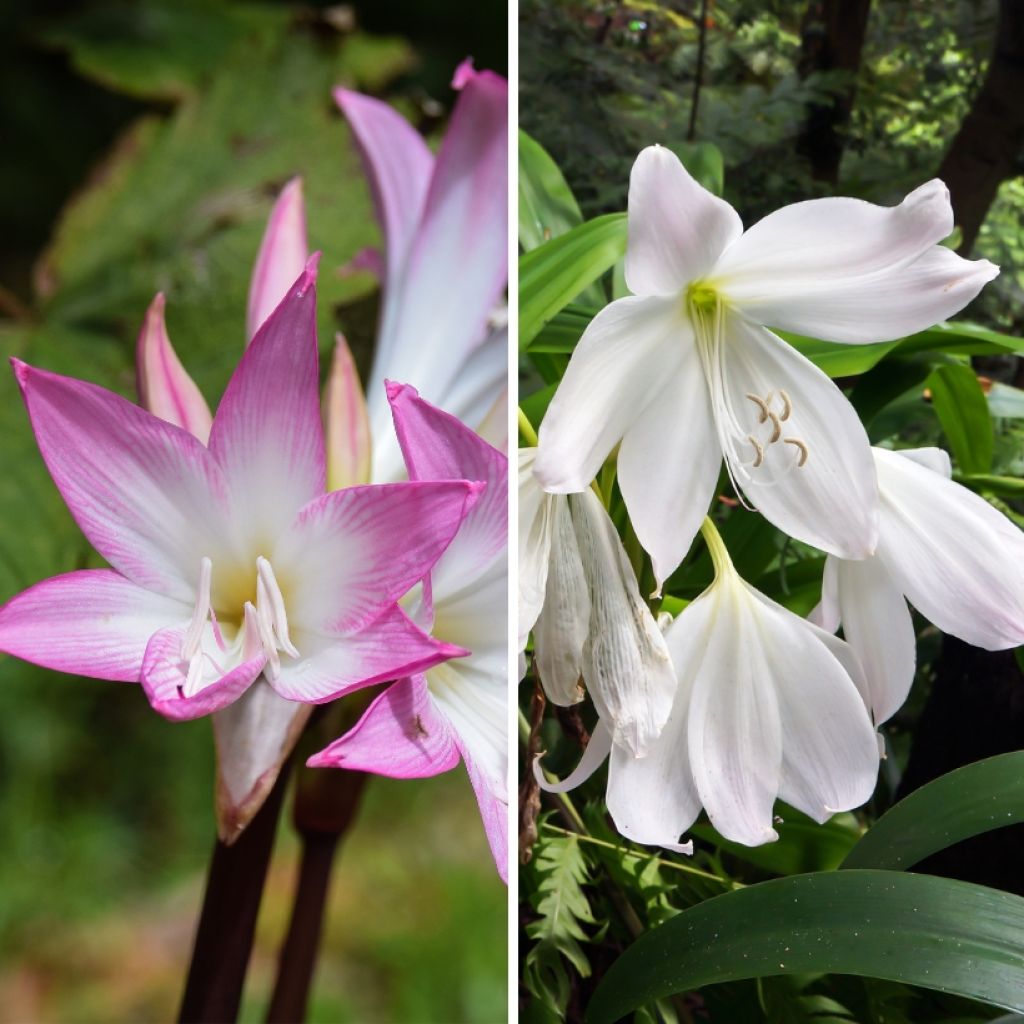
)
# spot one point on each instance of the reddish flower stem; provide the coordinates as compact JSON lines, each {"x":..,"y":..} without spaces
{"x":224,"y":937}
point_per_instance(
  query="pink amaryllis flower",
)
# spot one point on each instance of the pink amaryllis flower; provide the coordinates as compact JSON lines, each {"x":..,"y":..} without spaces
{"x":444,"y":219}
{"x":228,"y":561}
{"x":423,"y":724}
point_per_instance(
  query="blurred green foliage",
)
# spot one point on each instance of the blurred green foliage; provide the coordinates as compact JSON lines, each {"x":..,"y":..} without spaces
{"x":183,"y":120}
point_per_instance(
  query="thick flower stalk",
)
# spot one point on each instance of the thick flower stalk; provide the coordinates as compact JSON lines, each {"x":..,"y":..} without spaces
{"x":424,"y":724}
{"x":768,"y":705}
{"x":685,"y":370}
{"x":956,"y":559}
{"x":444,"y":218}
{"x":229,"y":563}
{"x":579,"y":594}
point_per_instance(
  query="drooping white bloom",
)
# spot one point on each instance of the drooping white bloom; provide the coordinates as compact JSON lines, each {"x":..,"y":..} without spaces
{"x":685,"y":370}
{"x":957,"y":559}
{"x":578,"y":592}
{"x":767,"y":705}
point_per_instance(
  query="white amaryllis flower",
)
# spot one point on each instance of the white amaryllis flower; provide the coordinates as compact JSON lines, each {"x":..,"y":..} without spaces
{"x":956,"y":559}
{"x":768,"y":705}
{"x":578,"y":592}
{"x":685,"y":370}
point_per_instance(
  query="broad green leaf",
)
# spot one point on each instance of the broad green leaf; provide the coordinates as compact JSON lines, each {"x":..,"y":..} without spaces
{"x":563,"y":330}
{"x":963,"y":338}
{"x":839,"y":360}
{"x":555,"y":273}
{"x":914,"y":929}
{"x":547,"y":207}
{"x":967,"y":802}
{"x":963,"y":412}
{"x":1002,"y":486}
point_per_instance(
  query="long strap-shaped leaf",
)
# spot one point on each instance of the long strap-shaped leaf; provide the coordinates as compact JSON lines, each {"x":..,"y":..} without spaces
{"x":967,"y":802}
{"x":934,"y":932}
{"x":553,"y":274}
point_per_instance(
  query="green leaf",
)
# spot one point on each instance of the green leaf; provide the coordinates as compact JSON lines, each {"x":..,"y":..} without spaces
{"x":555,"y":273}
{"x":963,"y":338}
{"x":562,"y":332}
{"x":839,"y":360}
{"x":967,"y":802}
{"x":1003,"y":486}
{"x":704,"y":161}
{"x":963,"y":412}
{"x":547,"y":207}
{"x":915,"y":929}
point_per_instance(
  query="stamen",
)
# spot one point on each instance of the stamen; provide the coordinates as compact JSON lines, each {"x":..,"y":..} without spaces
{"x":762,"y":405}
{"x":787,"y":405}
{"x":776,"y":429}
{"x":760,"y":451}
{"x":802,"y":448}
{"x":266,"y":631}
{"x":200,"y":613}
{"x":265,"y":573}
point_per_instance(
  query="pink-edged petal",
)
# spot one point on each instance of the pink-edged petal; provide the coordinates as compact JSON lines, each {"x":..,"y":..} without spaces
{"x":147,"y":494}
{"x":346,"y":425}
{"x":851,"y":271}
{"x":493,"y":811}
{"x":390,"y":647}
{"x":464,"y":74}
{"x":668,"y":466}
{"x":267,"y":434}
{"x":402,"y":735}
{"x":626,"y":352}
{"x":164,"y":388}
{"x":358,"y":550}
{"x":398,"y":165}
{"x":164,"y":674}
{"x":677,"y":228}
{"x":92,"y":623}
{"x":254,"y":737}
{"x":437,"y":446}
{"x":462,"y":237}
{"x":282,"y":256}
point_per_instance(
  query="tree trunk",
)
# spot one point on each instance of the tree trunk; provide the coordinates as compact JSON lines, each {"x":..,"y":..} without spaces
{"x":832,"y":39}
{"x":985,"y":150}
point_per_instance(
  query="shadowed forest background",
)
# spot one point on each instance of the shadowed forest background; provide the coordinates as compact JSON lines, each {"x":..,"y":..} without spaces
{"x":770,"y":103}
{"x":143,"y":145}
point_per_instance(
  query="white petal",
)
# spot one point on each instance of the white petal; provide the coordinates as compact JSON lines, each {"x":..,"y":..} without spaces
{"x":878,"y":626}
{"x":677,"y":228}
{"x":955,"y":557}
{"x":536,"y":525}
{"x":829,"y":750}
{"x":934,"y":459}
{"x":847,"y":270}
{"x":627,"y":667}
{"x":826,"y":614}
{"x":653,"y":799}
{"x":593,"y":757}
{"x":831,"y":501}
{"x":627,"y":349}
{"x":561,"y":630}
{"x":668,"y":466}
{"x":734,"y":732}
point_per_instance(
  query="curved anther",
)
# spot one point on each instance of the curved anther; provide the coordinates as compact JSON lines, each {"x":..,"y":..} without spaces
{"x":762,"y":406}
{"x":759,"y":458}
{"x":787,"y":405}
{"x":801,"y":447}
{"x":776,"y":428}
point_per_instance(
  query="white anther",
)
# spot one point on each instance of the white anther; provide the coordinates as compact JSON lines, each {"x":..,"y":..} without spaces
{"x":776,"y":428}
{"x":266,"y":631}
{"x":762,"y":406}
{"x":194,"y":634}
{"x":801,"y":447}
{"x":265,"y":575}
{"x":759,"y":458}
{"x":787,"y":405}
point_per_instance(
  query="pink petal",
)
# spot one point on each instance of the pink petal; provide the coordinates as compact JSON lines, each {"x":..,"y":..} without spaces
{"x":464,"y":74}
{"x":254,"y":737}
{"x":346,"y":425}
{"x":390,"y":647}
{"x":357,"y":551}
{"x":147,"y":494}
{"x":282,"y":256}
{"x":92,"y":623}
{"x":402,"y":735}
{"x":398,"y":165}
{"x":437,"y":446}
{"x":462,"y":237}
{"x":165,"y":389}
{"x":267,"y":435}
{"x":493,"y":812}
{"x":164,"y":674}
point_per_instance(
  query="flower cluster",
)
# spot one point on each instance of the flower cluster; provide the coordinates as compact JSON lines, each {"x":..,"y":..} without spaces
{"x":281,"y":554}
{"x":743,"y":701}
